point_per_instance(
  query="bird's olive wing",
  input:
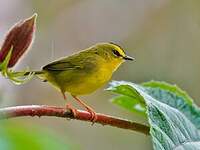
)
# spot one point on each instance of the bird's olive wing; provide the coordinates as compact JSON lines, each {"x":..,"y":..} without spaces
{"x":71,"y":63}
{"x":61,"y":66}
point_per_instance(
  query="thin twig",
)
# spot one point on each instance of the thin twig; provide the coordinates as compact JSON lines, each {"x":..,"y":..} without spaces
{"x":42,"y":110}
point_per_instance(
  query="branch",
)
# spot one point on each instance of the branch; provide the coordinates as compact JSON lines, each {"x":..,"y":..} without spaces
{"x":38,"y":110}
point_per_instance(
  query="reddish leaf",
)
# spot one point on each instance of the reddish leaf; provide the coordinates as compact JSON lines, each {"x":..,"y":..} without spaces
{"x":20,"y":37}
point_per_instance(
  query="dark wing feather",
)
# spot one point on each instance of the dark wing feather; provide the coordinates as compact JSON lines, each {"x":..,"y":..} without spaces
{"x":61,"y":66}
{"x":74,"y":62}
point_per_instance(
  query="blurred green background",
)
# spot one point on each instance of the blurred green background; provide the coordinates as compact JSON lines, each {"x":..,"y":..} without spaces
{"x":163,"y":36}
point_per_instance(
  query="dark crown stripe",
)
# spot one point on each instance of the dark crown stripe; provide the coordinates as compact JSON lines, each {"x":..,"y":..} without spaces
{"x":118,"y":46}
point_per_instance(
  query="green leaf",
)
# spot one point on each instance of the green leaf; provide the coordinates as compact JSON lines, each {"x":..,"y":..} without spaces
{"x":174,"y":97}
{"x":130,"y":104}
{"x":4,"y":64}
{"x":170,"y":127}
{"x":16,"y":77}
{"x":16,"y":136}
{"x":170,"y":88}
{"x":129,"y":100}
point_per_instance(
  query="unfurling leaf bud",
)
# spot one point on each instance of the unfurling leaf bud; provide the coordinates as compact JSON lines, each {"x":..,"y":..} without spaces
{"x":19,"y":38}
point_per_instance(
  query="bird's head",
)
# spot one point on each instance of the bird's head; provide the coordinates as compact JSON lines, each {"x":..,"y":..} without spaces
{"x":112,"y":52}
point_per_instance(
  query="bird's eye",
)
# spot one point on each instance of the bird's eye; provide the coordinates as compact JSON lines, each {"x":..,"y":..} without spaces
{"x":115,"y":52}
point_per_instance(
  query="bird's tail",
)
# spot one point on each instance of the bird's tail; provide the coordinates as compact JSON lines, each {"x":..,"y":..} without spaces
{"x":35,"y":72}
{"x":39,"y":74}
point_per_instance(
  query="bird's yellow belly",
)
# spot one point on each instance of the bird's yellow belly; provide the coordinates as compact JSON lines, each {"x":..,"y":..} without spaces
{"x":90,"y":83}
{"x":82,"y":82}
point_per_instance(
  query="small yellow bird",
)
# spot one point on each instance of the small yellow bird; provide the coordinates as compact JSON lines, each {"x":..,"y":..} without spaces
{"x":84,"y":72}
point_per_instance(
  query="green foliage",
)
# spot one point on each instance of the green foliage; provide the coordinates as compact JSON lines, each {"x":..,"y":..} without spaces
{"x":129,"y":99}
{"x":174,"y":97}
{"x":15,"y":136}
{"x":173,"y":117}
{"x":130,"y":104}
{"x":16,"y":77}
{"x":168,"y":88}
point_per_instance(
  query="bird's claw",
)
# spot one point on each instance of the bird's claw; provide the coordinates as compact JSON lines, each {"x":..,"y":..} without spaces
{"x":74,"y":110}
{"x":93,"y":116}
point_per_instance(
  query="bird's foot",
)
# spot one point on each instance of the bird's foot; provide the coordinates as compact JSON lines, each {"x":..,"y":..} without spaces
{"x":88,"y":108}
{"x":72,"y":108}
{"x":93,"y":115}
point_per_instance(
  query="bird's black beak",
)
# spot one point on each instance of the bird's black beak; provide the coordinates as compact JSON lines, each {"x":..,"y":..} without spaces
{"x":128,"y":58}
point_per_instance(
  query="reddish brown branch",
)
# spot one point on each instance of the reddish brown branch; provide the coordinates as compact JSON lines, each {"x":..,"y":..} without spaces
{"x":37,"y":110}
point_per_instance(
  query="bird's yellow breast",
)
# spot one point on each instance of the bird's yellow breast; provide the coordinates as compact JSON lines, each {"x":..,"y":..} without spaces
{"x":93,"y":80}
{"x":80,"y":81}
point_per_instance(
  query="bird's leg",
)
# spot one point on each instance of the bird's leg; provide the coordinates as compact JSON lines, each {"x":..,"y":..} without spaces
{"x":69,"y":106}
{"x":88,"y":108}
{"x":63,"y":94}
